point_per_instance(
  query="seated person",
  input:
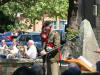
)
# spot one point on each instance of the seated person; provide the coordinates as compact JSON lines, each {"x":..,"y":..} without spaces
{"x":3,"y":44}
{"x":31,"y":51}
{"x":13,"y":49}
{"x":3,"y":47}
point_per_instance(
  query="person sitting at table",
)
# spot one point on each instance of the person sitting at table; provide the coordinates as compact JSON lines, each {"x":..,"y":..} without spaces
{"x":13,"y":49}
{"x":31,"y":51}
{"x":3,"y":45}
{"x":3,"y":49}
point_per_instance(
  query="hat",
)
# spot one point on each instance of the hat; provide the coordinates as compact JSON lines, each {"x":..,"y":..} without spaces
{"x":46,"y":23}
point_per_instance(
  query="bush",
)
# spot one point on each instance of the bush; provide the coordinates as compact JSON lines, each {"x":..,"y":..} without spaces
{"x":71,"y":33}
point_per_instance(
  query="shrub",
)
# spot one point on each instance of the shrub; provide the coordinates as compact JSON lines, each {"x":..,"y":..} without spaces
{"x":71,"y":33}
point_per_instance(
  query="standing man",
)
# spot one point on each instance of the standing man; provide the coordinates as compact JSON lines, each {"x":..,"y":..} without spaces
{"x":51,"y":42}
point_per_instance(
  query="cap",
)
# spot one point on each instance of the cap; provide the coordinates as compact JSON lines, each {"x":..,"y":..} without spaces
{"x":46,"y":23}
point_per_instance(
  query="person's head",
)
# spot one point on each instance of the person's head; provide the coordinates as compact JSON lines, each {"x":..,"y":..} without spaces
{"x":14,"y":42}
{"x":22,"y":71}
{"x":30,"y":43}
{"x":47,"y":26}
{"x":98,"y":66}
{"x":37,"y":70}
{"x":73,"y":69}
{"x":3,"y":42}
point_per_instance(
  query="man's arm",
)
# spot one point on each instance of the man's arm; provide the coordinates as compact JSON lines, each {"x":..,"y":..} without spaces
{"x":43,"y":52}
{"x":56,"y":40}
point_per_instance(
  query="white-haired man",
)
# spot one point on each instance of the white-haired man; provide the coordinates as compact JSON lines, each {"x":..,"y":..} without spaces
{"x":31,"y":51}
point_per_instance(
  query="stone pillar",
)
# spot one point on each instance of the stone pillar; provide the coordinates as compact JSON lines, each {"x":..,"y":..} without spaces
{"x":89,"y":43}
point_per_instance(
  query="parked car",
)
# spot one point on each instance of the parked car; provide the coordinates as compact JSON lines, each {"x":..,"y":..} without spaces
{"x":13,"y":34}
{"x":35,"y":36}
{"x":8,"y":41}
{"x":9,"y":33}
{"x":62,"y":34}
{"x":1,"y":34}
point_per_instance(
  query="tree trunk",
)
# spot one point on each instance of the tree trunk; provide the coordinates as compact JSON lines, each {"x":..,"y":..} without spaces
{"x":72,"y":14}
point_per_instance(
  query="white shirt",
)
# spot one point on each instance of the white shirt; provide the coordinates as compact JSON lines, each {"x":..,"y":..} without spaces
{"x":31,"y":52}
{"x":2,"y":47}
{"x":15,"y":49}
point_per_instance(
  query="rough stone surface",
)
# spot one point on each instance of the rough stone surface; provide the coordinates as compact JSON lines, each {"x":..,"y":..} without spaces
{"x":66,"y":50}
{"x":8,"y":66}
{"x":89,"y":43}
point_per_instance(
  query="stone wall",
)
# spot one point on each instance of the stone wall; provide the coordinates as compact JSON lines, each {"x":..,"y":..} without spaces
{"x":8,"y":66}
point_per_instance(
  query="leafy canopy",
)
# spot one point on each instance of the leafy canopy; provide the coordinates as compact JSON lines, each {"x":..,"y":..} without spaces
{"x":35,"y":9}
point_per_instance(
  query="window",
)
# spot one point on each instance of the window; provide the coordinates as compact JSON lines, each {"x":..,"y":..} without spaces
{"x":62,"y":24}
{"x":22,"y":38}
{"x":54,"y":24}
{"x":36,"y":38}
{"x":28,"y":37}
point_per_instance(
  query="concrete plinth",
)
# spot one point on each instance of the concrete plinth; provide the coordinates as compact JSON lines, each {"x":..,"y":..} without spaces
{"x":89,"y":43}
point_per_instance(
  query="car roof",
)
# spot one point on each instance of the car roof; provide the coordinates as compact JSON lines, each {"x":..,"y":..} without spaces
{"x":32,"y":33}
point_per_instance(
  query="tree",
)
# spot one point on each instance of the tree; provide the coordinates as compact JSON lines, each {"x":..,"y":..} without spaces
{"x":72,"y":14}
{"x":35,"y":9}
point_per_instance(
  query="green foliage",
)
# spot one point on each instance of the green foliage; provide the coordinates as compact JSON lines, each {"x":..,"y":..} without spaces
{"x":10,"y":27}
{"x":35,"y":9}
{"x":71,"y":33}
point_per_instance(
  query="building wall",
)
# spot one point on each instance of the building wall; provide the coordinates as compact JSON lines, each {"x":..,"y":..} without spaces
{"x":87,"y":11}
{"x":38,"y":23}
{"x":98,"y":21}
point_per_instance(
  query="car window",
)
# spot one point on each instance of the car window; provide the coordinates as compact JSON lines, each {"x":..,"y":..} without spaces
{"x":36,"y":38}
{"x":7,"y":40}
{"x":28,"y":38}
{"x":22,"y":38}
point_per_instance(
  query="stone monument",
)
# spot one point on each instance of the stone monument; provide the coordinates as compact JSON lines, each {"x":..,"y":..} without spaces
{"x":89,"y":43}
